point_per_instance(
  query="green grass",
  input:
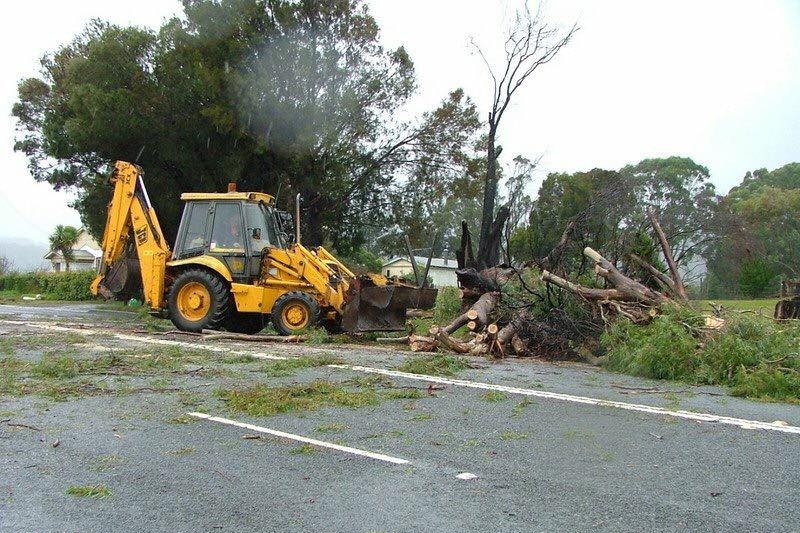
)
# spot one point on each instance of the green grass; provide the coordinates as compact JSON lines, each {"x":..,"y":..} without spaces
{"x":494,"y":396}
{"x":89,"y":491}
{"x":303,"y":449}
{"x":513,"y":435}
{"x":433,"y":365}
{"x":403,"y":394}
{"x":330,"y":428}
{"x":288,"y":367}
{"x":260,"y":400}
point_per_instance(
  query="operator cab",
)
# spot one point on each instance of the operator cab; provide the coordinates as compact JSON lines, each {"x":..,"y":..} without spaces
{"x":236,"y":228}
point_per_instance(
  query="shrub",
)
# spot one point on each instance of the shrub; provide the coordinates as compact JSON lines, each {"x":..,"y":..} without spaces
{"x":753,"y":356}
{"x":54,"y":285}
{"x":663,"y":349}
{"x":755,"y":277}
{"x":448,"y":305}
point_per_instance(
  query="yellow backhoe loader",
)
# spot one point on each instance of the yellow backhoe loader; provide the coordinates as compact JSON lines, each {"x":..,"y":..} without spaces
{"x":232,"y":267}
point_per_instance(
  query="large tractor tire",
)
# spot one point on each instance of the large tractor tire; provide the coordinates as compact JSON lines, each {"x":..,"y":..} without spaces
{"x":293,"y":312}
{"x":199,"y":300}
{"x":248,"y":323}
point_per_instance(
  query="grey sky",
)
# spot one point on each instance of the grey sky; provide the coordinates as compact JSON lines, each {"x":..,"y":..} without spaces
{"x":714,"y":80}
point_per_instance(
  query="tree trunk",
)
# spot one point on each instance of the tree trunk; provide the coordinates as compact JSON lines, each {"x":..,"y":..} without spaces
{"x":489,"y":197}
{"x":680,"y":289}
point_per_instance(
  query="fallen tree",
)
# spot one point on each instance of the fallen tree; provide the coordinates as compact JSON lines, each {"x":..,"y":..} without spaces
{"x":505,"y":314}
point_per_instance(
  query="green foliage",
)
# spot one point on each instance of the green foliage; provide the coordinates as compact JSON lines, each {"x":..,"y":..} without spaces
{"x":433,"y":365}
{"x":362,"y":260}
{"x":70,"y":286}
{"x":761,"y":226}
{"x":663,"y":349}
{"x":288,"y":367}
{"x":754,"y":356}
{"x":296,"y":97}
{"x":448,"y":305}
{"x":62,"y":240}
{"x":261,"y":400}
{"x":755,"y":277}
{"x":89,"y":491}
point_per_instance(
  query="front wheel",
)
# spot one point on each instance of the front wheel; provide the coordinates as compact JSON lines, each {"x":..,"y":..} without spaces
{"x":293,"y":312}
{"x":198,"y":300}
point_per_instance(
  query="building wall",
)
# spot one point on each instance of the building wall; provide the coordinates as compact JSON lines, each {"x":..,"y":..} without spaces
{"x":59,"y":266}
{"x":442,"y":277}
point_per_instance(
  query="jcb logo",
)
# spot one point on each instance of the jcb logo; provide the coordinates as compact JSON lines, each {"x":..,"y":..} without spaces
{"x":141,"y":235}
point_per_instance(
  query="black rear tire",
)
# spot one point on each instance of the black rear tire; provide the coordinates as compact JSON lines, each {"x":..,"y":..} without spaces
{"x":248,"y":323}
{"x":294,"y":304}
{"x":217,"y":309}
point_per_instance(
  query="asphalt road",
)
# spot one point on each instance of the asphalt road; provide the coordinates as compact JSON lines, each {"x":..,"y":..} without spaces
{"x":542,"y":463}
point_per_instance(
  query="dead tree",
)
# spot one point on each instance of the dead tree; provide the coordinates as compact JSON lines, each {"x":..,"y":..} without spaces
{"x":531,"y":43}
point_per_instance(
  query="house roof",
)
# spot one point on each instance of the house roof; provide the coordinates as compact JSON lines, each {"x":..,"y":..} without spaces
{"x":436,"y":262}
{"x":78,"y":255}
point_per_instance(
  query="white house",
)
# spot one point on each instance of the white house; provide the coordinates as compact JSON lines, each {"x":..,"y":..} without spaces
{"x":86,"y":254}
{"x":442,"y":271}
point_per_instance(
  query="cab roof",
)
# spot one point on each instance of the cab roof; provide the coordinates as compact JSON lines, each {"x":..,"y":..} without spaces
{"x":245,"y":196}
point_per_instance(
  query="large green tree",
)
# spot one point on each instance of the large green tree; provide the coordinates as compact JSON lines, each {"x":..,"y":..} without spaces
{"x":282,"y":96}
{"x":606,"y":209}
{"x":760,"y":233}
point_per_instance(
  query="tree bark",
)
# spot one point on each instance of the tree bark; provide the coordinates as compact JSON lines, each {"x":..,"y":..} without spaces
{"x":680,"y":289}
{"x":489,"y":194}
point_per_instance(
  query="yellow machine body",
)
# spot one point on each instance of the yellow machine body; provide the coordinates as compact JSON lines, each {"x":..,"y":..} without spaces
{"x":255,"y":280}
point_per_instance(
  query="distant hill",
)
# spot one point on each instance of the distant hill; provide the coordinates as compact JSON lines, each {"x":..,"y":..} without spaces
{"x":25,"y":254}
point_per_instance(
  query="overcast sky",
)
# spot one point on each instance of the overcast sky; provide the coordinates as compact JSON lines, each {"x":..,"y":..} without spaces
{"x":717,"y":81}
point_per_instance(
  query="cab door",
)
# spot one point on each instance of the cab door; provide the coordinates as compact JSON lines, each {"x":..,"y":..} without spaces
{"x":228,"y":241}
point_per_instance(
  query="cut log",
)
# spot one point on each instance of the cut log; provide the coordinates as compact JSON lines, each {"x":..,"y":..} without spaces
{"x":479,"y":313}
{"x":492,"y":329}
{"x":472,"y":325}
{"x":680,"y":289}
{"x":418,"y":343}
{"x":449,"y":342}
{"x":212,"y":334}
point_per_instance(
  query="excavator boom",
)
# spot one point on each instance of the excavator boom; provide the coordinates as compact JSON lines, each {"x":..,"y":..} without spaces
{"x":134,"y":248}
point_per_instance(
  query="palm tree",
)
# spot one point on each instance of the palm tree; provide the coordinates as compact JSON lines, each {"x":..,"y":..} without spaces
{"x":62,"y":240}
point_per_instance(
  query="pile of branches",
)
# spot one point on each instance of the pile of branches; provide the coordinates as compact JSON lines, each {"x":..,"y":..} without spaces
{"x":499,"y":327}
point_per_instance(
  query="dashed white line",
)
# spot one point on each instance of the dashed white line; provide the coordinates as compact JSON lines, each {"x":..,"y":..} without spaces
{"x":781,"y":427}
{"x":307,"y":440}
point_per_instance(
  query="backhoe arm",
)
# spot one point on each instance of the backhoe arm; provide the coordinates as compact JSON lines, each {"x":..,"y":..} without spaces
{"x":130,"y":214}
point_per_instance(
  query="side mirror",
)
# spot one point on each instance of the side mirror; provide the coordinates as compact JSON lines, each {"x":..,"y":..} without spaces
{"x":257,"y":234}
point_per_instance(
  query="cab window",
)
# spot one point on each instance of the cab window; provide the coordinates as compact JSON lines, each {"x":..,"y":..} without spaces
{"x":257,"y":230}
{"x":228,"y":232}
{"x":197,"y":219}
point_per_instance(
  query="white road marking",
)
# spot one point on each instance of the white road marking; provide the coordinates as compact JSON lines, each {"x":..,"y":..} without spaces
{"x":779,"y":426}
{"x":300,"y":438}
{"x":467,"y":476}
{"x":689,"y":415}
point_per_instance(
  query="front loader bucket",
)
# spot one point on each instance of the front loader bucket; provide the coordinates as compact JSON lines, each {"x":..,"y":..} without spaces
{"x":382,"y":307}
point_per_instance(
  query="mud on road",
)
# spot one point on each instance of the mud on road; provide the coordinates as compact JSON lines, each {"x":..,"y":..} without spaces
{"x":107,"y":424}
